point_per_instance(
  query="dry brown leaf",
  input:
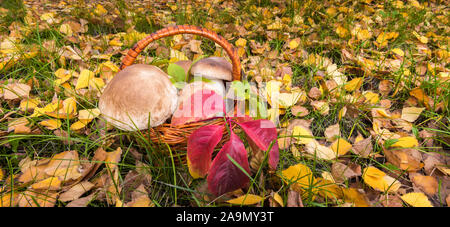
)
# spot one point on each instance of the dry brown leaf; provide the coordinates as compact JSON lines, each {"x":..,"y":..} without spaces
{"x":391,"y":201}
{"x":37,"y":198}
{"x":16,"y":90}
{"x":321,"y":106}
{"x":427,"y":184}
{"x":76,"y":191}
{"x":51,"y":183}
{"x":332,"y":132}
{"x":406,"y":159}
{"x":33,"y":173}
{"x":299,"y":111}
{"x":363,"y":147}
{"x":294,"y":199}
{"x":9,"y":199}
{"x":314,"y":93}
{"x":420,"y":95}
{"x":81,"y":202}
{"x":62,"y":162}
{"x":341,"y":172}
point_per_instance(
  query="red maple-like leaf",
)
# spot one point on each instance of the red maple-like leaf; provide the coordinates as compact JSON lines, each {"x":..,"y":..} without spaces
{"x":262,"y":133}
{"x":201,"y":144}
{"x":224,"y":176}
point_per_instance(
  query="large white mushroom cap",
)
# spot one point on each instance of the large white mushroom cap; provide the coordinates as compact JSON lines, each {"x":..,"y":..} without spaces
{"x":136,"y":93}
{"x":213,"y":68}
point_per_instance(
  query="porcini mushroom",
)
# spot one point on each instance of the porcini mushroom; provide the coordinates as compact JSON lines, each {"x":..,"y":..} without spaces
{"x":137,"y":97}
{"x":215,"y":69}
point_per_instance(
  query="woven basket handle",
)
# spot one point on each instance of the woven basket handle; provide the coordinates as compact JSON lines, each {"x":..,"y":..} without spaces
{"x":185,"y":29}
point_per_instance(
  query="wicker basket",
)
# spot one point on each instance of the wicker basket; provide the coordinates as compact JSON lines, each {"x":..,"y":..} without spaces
{"x":176,"y":136}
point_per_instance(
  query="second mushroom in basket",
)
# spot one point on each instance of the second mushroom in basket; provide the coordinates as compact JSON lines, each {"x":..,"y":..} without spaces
{"x":208,"y":74}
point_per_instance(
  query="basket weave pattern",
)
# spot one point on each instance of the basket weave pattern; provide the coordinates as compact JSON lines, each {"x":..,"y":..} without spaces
{"x":176,"y":136}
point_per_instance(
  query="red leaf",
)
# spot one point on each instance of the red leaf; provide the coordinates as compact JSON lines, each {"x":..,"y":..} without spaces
{"x":201,"y":144}
{"x":262,"y":132}
{"x":201,"y":105}
{"x":224,"y":176}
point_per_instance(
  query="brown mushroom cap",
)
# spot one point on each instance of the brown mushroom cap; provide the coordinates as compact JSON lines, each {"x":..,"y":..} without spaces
{"x":134,"y":94}
{"x":213,"y":68}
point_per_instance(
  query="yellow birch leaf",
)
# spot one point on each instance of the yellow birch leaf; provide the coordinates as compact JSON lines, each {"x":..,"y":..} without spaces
{"x":371,"y":97}
{"x":421,"y":38}
{"x":100,"y":10}
{"x":287,"y":79}
{"x":354,"y":84}
{"x":359,"y":138}
{"x":248,"y":199}
{"x":328,"y":189}
{"x":320,"y":151}
{"x":51,"y":124}
{"x":65,"y":29}
{"x":286,"y":100}
{"x":48,"y":17}
{"x":29,"y":104}
{"x":96,"y":83}
{"x":115,"y":42}
{"x":278,"y":199}
{"x":88,"y":114}
{"x":178,"y":55}
{"x":398,"y":52}
{"x":341,"y":146}
{"x":341,"y":31}
{"x":327,"y":176}
{"x":77,"y":126}
{"x":363,"y":34}
{"x":51,"y":183}
{"x":411,"y":114}
{"x":61,"y":73}
{"x":84,"y":78}
{"x":298,"y":174}
{"x":63,"y":79}
{"x":342,"y":112}
{"x":406,"y":142}
{"x":352,"y":195}
{"x":382,"y":112}
{"x":241,"y":42}
{"x":277,"y":25}
{"x":303,"y":135}
{"x":416,"y":199}
{"x":378,"y":180}
{"x":293,"y":44}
